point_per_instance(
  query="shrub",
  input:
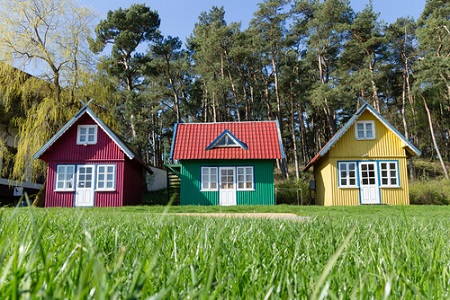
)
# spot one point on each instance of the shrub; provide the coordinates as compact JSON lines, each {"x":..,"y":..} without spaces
{"x":292,"y":191}
{"x":430,"y":192}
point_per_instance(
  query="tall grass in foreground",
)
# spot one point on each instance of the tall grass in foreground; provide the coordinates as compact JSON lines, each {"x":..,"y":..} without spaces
{"x":117,"y":254}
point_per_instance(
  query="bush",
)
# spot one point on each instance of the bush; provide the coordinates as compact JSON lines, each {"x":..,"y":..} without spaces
{"x":292,"y":191}
{"x":430,"y":192}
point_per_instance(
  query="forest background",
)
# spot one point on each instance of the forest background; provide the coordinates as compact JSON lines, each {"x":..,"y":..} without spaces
{"x":303,"y":62}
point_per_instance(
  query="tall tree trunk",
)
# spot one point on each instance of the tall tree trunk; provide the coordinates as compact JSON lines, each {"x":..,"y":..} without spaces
{"x":433,"y":136}
{"x":293,"y":136}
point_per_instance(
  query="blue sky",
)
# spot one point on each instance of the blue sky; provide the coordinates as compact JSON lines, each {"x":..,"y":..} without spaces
{"x":178,"y":17}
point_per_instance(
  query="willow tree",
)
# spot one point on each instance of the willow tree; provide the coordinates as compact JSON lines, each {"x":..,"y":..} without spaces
{"x":49,"y":37}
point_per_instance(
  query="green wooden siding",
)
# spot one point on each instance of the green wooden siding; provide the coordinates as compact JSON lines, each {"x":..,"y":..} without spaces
{"x":264,"y":193}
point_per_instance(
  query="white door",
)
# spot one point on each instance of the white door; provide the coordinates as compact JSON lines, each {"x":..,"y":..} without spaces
{"x":369,"y":190}
{"x":84,"y":192}
{"x":227,"y":186}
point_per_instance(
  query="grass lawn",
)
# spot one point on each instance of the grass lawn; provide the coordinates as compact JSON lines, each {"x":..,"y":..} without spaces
{"x":364,"y":252}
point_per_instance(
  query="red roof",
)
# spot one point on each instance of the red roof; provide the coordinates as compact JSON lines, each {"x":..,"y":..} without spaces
{"x":261,"y":138}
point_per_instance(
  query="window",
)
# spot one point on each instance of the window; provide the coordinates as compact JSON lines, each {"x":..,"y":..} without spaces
{"x":209,"y":179}
{"x":245,"y":178}
{"x":64,"y":178}
{"x":365,"y":130}
{"x":87,"y":135}
{"x":347,"y":174}
{"x":226,"y":141}
{"x":106,"y":178}
{"x":389,"y":174}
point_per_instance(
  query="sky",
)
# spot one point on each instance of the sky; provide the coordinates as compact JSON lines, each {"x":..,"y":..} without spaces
{"x":178,"y":17}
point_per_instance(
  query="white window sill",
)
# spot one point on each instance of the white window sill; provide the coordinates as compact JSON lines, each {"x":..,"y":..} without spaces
{"x":66,"y":190}
{"x":390,"y":186}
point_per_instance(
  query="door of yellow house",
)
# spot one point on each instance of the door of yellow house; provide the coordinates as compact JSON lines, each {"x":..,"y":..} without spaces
{"x":368,"y":186}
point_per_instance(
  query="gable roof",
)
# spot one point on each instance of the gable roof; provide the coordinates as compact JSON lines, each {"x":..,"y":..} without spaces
{"x":86,"y":110}
{"x":366,"y":106}
{"x":262,"y":140}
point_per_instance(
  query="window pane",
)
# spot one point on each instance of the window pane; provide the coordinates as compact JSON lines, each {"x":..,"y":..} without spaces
{"x":101,"y":184}
{"x":213,"y":185}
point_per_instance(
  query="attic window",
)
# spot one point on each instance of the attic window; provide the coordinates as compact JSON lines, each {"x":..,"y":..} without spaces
{"x":365,"y":130}
{"x":226,"y":139}
{"x":87,"y":135}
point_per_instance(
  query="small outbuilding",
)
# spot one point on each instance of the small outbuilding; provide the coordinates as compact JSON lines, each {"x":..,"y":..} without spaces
{"x":228,"y":163}
{"x":364,"y":163}
{"x":90,"y":166}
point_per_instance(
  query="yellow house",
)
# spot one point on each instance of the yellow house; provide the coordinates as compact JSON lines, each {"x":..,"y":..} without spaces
{"x":364,"y":163}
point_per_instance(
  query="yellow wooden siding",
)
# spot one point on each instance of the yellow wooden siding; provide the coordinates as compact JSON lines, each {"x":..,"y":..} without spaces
{"x":350,"y":196}
{"x":385,"y":144}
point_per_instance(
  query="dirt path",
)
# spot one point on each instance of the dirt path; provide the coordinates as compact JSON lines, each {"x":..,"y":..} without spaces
{"x":285,"y":216}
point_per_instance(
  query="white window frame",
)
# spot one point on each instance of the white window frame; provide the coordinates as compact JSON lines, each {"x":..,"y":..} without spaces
{"x":385,"y":173}
{"x":86,"y":135}
{"x":364,"y":130}
{"x":347,"y":176}
{"x":68,"y":179}
{"x":207,"y":182}
{"x":105,"y":180}
{"x":242,"y":178}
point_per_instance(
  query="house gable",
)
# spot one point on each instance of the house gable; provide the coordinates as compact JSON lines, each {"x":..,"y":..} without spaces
{"x":226,"y":139}
{"x":384,"y":144}
{"x":367,"y":113}
{"x":67,"y":149}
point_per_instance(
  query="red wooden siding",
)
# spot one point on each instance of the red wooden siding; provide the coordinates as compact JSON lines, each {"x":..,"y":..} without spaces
{"x":132,"y":189}
{"x":67,"y":150}
{"x":52,"y":198}
{"x":103,"y":199}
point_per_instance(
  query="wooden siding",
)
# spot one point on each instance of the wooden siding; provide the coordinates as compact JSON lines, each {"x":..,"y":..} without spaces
{"x":386,"y":143}
{"x":132,"y":184}
{"x":67,"y":150}
{"x":114,"y":198}
{"x":52,"y":198}
{"x":264,"y":193}
{"x":328,"y":192}
{"x":101,"y":198}
{"x":385,"y":146}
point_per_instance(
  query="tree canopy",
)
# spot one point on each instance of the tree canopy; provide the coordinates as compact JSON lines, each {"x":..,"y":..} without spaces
{"x":303,"y":62}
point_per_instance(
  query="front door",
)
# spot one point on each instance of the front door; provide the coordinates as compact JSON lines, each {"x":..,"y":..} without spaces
{"x":369,"y":190}
{"x":84,"y":193}
{"x":227,"y":186}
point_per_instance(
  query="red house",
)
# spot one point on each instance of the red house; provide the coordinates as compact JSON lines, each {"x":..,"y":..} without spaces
{"x":89,"y":165}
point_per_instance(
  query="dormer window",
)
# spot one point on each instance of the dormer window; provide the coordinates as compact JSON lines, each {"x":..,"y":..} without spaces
{"x":226,"y":139}
{"x":87,"y":135}
{"x":365,"y":130}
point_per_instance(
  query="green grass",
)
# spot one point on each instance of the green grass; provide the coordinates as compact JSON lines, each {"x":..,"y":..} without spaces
{"x":365,"y":252}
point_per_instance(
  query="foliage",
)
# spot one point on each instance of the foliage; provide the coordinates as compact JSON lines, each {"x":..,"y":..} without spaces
{"x":429,"y":192}
{"x":106,"y":253}
{"x":303,"y":62}
{"x":293,"y":191}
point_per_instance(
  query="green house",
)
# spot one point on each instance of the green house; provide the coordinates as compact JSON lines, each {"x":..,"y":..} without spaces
{"x":229,"y":163}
